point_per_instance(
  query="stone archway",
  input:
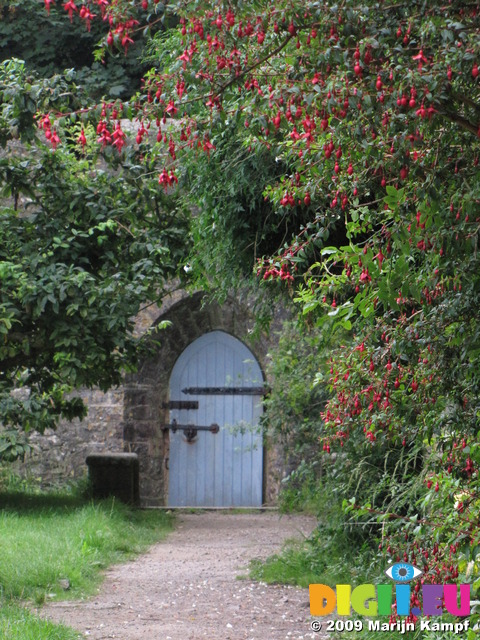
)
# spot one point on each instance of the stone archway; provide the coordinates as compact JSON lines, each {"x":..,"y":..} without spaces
{"x":147,"y":391}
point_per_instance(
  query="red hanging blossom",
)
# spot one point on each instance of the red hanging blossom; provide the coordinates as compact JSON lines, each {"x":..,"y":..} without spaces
{"x":82,"y":139}
{"x":70,"y":7}
{"x":167,"y":179}
{"x":118,"y":137}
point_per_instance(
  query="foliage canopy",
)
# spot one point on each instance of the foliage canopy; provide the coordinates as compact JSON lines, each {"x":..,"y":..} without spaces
{"x":84,"y":243}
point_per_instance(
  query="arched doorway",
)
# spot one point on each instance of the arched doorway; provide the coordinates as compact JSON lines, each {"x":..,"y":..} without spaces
{"x":216,"y":381}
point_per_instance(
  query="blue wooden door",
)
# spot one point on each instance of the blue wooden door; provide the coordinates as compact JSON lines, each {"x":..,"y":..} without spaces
{"x":223,"y":469}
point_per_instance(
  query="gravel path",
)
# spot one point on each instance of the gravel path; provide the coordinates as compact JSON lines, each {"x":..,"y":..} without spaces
{"x":187,"y":588}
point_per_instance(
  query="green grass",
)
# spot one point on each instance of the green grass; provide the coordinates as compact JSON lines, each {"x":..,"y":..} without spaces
{"x":335,"y":553}
{"x":291,"y":566}
{"x":16,"y":623}
{"x":49,"y":539}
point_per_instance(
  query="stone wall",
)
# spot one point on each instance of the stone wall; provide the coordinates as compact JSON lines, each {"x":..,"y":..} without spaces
{"x":59,"y":455}
{"x":130,"y":419}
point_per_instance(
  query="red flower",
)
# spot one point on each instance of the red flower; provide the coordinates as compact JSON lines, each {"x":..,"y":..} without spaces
{"x":70,"y":7}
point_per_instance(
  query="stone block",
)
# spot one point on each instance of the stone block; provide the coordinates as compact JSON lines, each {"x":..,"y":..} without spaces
{"x":114,"y":474}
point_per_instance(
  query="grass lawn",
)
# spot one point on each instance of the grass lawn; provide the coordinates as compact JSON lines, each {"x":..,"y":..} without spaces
{"x":55,"y":546}
{"x":16,"y":623}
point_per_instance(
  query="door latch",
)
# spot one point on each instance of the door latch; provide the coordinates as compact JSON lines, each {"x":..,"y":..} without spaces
{"x":190,"y":430}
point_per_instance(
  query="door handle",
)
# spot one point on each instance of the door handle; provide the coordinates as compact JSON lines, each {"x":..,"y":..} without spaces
{"x":190,"y":430}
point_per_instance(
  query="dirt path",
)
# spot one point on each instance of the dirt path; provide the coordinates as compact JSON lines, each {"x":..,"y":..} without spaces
{"x":187,"y":587}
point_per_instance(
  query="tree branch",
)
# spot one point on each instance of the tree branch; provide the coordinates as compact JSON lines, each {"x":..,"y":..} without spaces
{"x":257,"y":64}
{"x":465,"y":124}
